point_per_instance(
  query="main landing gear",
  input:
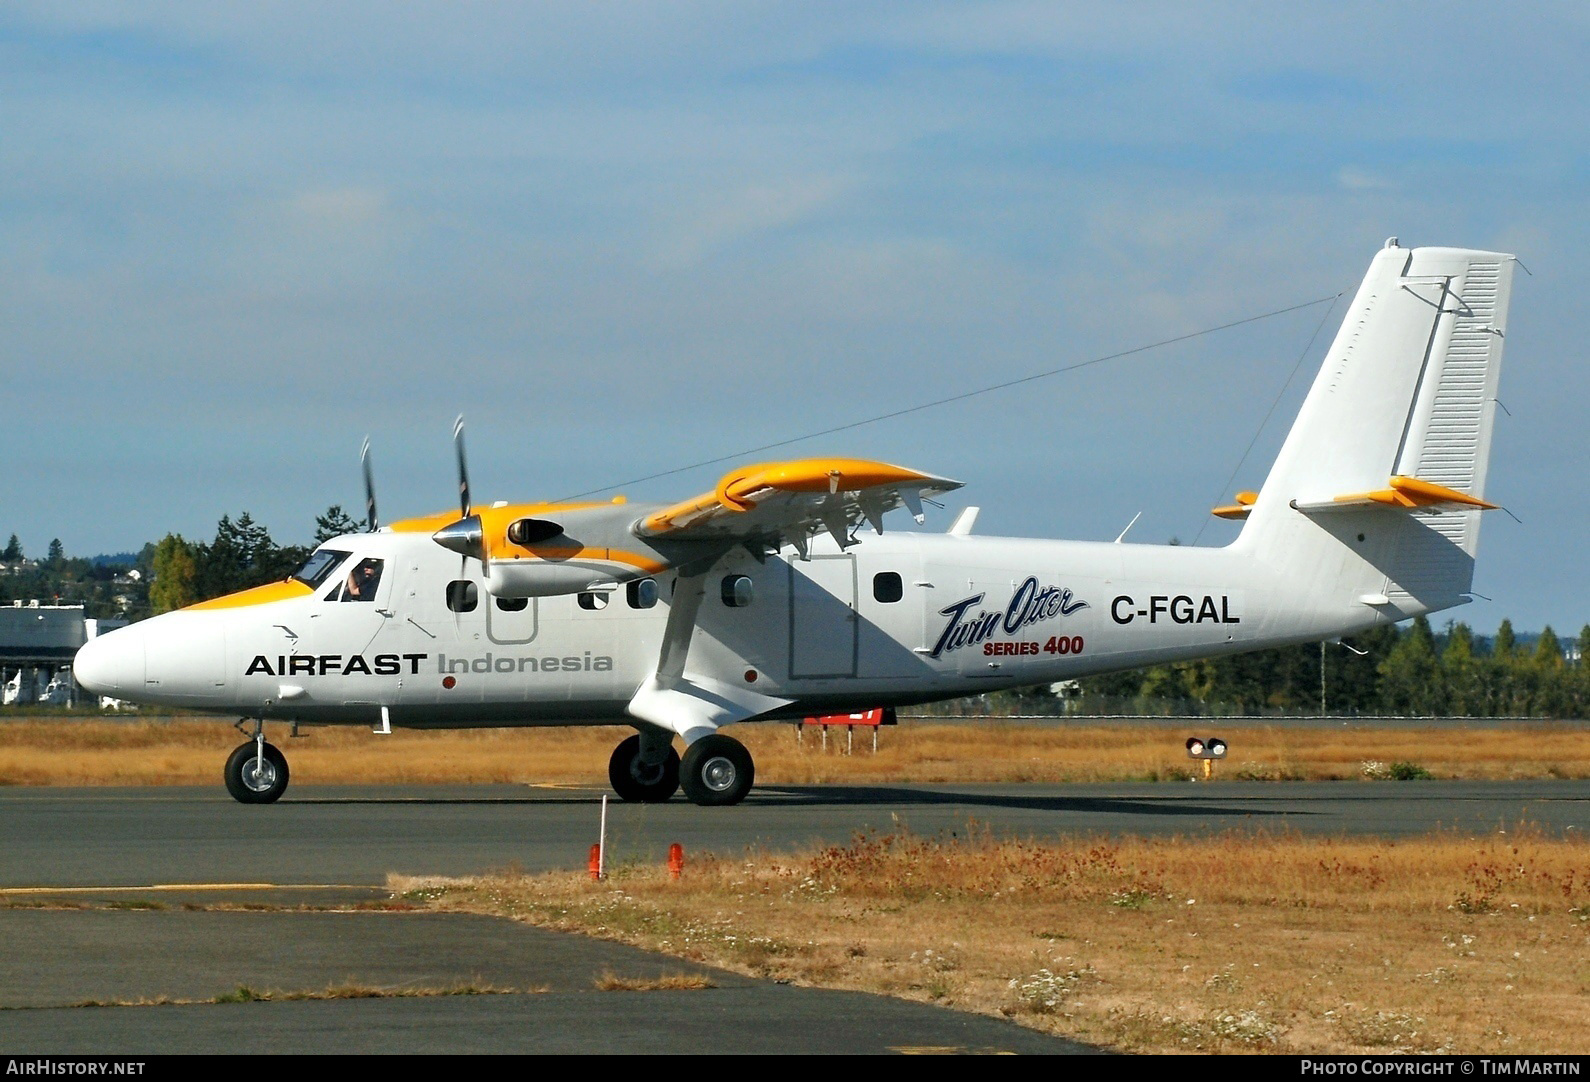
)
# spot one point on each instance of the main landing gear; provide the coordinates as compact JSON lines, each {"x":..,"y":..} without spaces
{"x":645,"y":768}
{"x":715,"y":770}
{"x":256,"y":773}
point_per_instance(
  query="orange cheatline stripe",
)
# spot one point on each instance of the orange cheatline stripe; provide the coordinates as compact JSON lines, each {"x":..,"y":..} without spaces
{"x":433,"y":522}
{"x":285,"y":590}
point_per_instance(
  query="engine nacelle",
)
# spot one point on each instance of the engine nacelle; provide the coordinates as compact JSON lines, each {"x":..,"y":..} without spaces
{"x":543,"y":578}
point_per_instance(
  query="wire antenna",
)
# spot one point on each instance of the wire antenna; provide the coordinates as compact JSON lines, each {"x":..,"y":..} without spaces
{"x":962,"y":397}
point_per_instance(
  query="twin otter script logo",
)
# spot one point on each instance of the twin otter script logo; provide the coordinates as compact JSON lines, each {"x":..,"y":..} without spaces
{"x":1030,"y":604}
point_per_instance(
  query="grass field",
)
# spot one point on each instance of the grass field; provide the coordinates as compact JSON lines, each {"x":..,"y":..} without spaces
{"x":190,"y":751}
{"x":1244,"y":943}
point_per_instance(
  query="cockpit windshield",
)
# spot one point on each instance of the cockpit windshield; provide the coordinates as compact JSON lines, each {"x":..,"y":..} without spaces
{"x":319,"y":566}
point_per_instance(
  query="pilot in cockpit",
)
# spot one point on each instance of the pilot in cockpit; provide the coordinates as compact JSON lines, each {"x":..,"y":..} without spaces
{"x":362,"y":581}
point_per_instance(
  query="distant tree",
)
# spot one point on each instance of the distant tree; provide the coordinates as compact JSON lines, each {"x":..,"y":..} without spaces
{"x":242,"y":556}
{"x":1463,"y":673}
{"x":334,"y":523}
{"x":57,"y":554}
{"x":176,"y":571}
{"x":1409,"y":677}
{"x":1353,"y":679}
{"x":1579,"y":681}
{"x":1506,"y":644}
{"x":13,"y":551}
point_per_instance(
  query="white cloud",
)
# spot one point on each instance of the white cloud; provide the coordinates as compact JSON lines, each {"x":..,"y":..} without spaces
{"x":1355,"y":179}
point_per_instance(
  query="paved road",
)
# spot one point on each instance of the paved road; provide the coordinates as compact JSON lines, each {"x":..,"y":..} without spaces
{"x":545,"y":999}
{"x":348,"y":835}
{"x":106,"y":847}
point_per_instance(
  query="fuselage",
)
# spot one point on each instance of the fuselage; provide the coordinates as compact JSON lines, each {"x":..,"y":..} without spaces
{"x":898,"y":618}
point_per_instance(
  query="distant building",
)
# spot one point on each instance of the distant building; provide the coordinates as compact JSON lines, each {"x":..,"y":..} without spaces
{"x":37,"y":644}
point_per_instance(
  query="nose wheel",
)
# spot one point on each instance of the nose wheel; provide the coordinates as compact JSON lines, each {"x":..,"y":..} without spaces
{"x":256,"y":773}
{"x":716,"y":770}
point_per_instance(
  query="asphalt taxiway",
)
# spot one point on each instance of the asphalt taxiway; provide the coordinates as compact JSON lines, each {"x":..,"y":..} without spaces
{"x":107,"y":896}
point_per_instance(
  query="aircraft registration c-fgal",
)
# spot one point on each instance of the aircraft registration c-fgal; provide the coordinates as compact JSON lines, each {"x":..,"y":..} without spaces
{"x":779,"y":594}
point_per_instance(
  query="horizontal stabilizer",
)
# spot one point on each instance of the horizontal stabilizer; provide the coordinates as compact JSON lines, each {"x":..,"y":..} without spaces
{"x":1240,"y":509}
{"x":1402,"y":494}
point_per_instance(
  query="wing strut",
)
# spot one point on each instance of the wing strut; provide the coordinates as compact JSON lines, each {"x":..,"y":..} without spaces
{"x":692,"y":705}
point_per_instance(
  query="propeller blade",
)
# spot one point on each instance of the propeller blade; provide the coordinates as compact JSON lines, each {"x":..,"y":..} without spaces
{"x":370,"y":520}
{"x":463,"y":470}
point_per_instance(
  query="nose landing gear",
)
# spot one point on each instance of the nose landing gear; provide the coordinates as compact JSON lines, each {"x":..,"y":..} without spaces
{"x":256,"y":773}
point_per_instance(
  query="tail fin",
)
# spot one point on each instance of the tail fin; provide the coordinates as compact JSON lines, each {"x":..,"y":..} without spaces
{"x":1382,"y":477}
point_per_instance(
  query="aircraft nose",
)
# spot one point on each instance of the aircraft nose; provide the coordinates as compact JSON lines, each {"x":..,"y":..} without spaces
{"x":111,"y":663}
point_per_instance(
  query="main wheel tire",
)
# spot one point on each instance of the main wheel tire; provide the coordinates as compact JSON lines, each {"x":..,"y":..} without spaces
{"x":716,"y":771}
{"x":263,"y":785}
{"x":633,"y":780}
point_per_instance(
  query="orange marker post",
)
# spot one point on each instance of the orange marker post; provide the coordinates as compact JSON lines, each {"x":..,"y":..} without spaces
{"x":676,"y":860}
{"x":595,"y":865}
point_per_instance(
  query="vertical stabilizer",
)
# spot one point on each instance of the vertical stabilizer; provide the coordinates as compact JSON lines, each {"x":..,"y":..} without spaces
{"x":1400,"y":415}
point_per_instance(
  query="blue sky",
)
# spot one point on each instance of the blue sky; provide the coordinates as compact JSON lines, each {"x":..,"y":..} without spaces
{"x":622,"y":238}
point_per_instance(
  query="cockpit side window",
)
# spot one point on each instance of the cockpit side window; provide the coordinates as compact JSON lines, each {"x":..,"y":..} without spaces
{"x":362,"y":580}
{"x":321,"y":563}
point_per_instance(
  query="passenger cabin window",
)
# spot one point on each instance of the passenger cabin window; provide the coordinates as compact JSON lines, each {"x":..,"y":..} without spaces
{"x":593,"y":600}
{"x":318,"y":568}
{"x":642,"y":593}
{"x":737,"y":591}
{"x":462,"y":595}
{"x":513,"y":604}
{"x":887,"y":587}
{"x":362,"y":581}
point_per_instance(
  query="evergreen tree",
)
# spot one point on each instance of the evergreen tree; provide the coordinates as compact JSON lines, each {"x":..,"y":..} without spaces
{"x":1548,"y":649}
{"x":1465,"y":693}
{"x":243,"y":556}
{"x":1551,"y":695}
{"x":334,"y":523}
{"x":1410,"y":681}
{"x":1505,"y":644}
{"x":13,"y":551}
{"x":56,"y":558}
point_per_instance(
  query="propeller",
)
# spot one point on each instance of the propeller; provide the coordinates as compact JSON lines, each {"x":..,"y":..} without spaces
{"x":465,"y":536}
{"x":370,"y":519}
{"x":463,"y":469}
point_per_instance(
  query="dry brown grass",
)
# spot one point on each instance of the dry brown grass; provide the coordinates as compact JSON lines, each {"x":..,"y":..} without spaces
{"x":1262,"y":943}
{"x":668,"y":982}
{"x":245,"y":994}
{"x":188,"y":751}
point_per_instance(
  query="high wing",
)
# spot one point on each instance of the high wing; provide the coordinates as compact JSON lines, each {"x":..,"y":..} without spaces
{"x":787,"y":502}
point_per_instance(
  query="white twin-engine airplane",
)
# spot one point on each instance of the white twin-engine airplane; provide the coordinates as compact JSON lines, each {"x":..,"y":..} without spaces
{"x":778,"y":594}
